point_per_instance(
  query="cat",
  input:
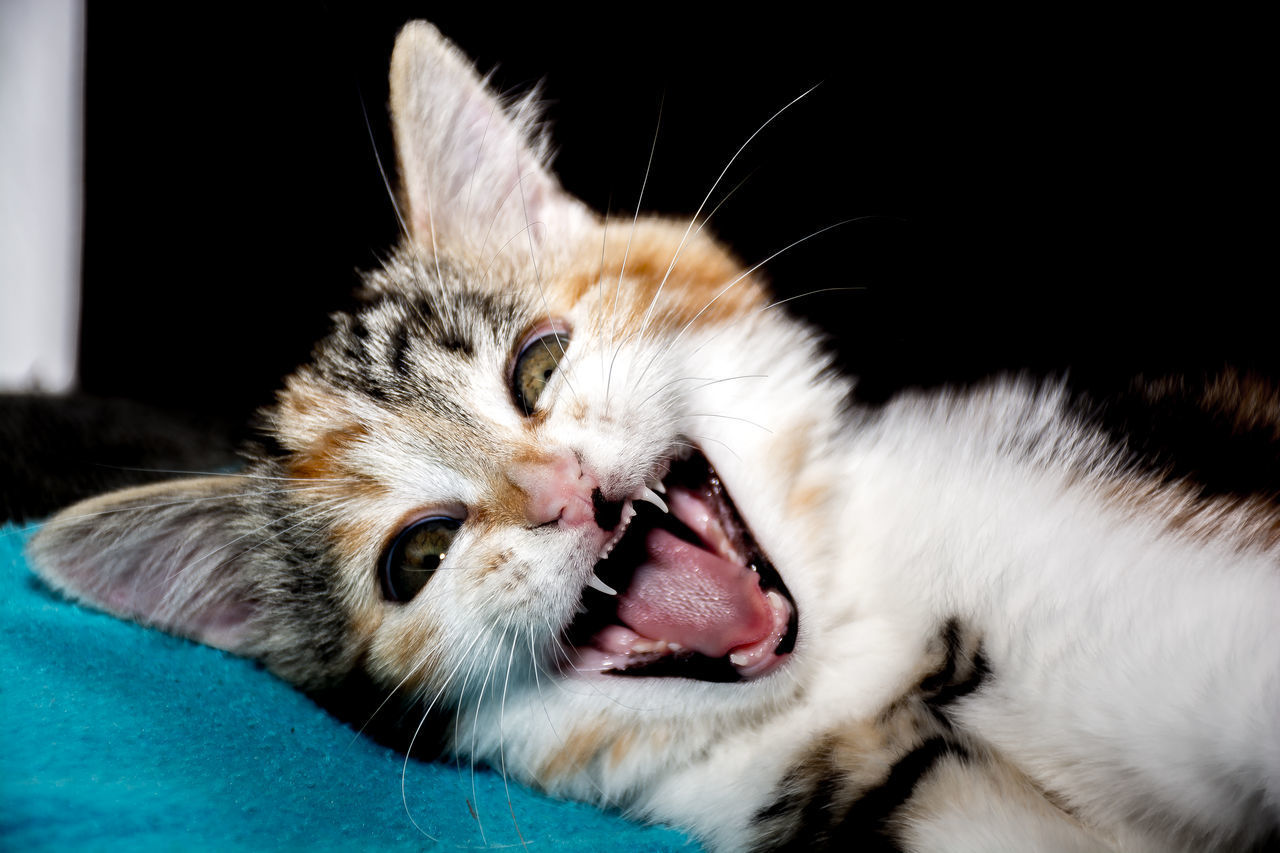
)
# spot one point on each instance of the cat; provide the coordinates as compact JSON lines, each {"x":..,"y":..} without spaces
{"x":570,"y":495}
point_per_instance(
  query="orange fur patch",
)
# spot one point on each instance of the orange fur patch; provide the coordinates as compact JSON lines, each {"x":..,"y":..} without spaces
{"x":322,"y":459}
{"x":694,"y":280}
{"x":579,"y":747}
{"x":406,"y":651}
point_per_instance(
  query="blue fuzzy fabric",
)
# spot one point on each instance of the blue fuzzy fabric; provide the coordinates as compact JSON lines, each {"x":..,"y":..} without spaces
{"x":120,"y":738}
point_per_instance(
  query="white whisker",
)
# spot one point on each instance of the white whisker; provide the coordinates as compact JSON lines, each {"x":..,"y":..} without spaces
{"x":676,"y":256}
{"x":502,"y":743}
{"x":738,"y":280}
{"x":404,"y":771}
{"x":728,"y":417}
{"x":475,"y":722}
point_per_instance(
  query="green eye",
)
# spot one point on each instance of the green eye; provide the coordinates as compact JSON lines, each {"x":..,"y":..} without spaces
{"x":534,"y":366}
{"x":414,"y":556}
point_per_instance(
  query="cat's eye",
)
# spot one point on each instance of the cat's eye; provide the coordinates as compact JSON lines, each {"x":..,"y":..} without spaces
{"x":534,"y":366}
{"x":414,"y":556}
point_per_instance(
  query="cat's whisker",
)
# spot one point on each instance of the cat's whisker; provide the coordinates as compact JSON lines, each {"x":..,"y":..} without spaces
{"x":315,"y":508}
{"x":612,"y":362}
{"x":594,"y":688}
{"x":809,"y":293}
{"x":405,"y":230}
{"x":475,"y":168}
{"x":640,"y":333}
{"x":635,"y":219}
{"x":475,"y":722}
{"x":462,"y":694}
{"x":493,"y":220}
{"x":706,"y":383}
{"x":171,"y":607}
{"x":413,"y":671}
{"x":706,"y":438}
{"x":240,"y":474}
{"x":729,"y":417}
{"x":386,"y":181}
{"x":738,"y":280}
{"x":183,"y":502}
{"x":564,"y":365}
{"x":528,"y":224}
{"x":693,"y":219}
{"x":542,"y":699}
{"x":599,"y":309}
{"x":165,"y":580}
{"x":537,"y":272}
{"x":404,"y":772}
{"x":502,"y":743}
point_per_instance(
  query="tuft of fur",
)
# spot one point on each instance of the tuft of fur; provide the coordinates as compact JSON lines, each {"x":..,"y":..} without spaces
{"x":1010,"y":633}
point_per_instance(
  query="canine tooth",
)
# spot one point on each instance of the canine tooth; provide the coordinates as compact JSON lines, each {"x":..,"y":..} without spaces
{"x":658,"y":486}
{"x":739,"y":659}
{"x":647,"y":494}
{"x":595,"y":583}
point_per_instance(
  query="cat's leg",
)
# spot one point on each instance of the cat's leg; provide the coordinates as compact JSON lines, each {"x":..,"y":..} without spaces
{"x":909,"y":779}
{"x":906,"y":780}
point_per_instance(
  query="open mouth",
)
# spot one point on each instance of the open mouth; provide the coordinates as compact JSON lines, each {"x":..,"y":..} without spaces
{"x":695,"y":595}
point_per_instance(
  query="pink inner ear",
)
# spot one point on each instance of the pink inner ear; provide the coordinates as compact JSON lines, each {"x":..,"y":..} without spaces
{"x":164,"y":555}
{"x":474,"y":171}
{"x":218,"y":621}
{"x":224,"y":625}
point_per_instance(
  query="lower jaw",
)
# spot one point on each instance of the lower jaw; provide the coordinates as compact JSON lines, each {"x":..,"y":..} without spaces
{"x":591,"y":662}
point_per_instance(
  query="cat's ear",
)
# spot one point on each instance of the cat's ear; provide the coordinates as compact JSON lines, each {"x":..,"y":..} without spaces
{"x":167,"y":555}
{"x":473,"y":170}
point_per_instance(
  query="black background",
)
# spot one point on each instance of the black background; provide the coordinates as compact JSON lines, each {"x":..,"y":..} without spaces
{"x":1083,"y":194}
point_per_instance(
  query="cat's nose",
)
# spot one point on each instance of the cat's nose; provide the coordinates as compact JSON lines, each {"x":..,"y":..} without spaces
{"x":557,"y":489}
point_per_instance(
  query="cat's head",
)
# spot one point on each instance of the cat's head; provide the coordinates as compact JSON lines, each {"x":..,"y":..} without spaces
{"x":559,"y":475}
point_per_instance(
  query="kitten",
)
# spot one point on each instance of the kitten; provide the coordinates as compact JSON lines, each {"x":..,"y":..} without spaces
{"x":573,"y":489}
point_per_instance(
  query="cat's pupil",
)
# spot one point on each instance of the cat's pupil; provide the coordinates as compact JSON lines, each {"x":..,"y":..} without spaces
{"x":534,"y":367}
{"x":414,"y":556}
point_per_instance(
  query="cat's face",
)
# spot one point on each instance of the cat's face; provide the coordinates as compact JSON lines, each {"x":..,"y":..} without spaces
{"x":558,"y":476}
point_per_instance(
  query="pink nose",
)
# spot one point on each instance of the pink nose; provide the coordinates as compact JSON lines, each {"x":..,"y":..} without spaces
{"x":556,"y":488}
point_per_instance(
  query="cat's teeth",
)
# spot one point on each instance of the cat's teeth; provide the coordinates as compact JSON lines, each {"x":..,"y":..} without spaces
{"x":628,"y":513}
{"x":658,"y":486}
{"x":595,"y":583}
{"x":648,"y":494}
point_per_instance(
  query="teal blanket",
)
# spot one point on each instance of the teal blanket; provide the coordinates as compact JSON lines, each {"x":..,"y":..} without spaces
{"x":120,"y":738}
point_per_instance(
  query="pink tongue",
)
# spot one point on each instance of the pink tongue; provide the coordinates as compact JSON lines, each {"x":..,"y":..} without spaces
{"x":686,"y":595}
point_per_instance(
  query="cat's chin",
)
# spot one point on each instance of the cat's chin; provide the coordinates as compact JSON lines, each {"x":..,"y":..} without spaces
{"x":696,"y":597}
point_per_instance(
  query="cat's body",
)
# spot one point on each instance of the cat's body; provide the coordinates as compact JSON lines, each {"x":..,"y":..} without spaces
{"x":964,"y":621}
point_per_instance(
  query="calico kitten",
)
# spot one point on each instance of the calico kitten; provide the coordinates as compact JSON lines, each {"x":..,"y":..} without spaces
{"x":575,"y":491}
